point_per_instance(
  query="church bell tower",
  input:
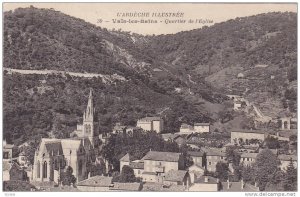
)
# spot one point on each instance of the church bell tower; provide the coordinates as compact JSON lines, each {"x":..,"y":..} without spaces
{"x":88,"y":118}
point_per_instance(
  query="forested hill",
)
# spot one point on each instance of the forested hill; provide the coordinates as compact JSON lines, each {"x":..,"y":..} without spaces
{"x":183,"y":77}
{"x":262,"y":47}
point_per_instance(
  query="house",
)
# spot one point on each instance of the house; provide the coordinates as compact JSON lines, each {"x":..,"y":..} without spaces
{"x":10,"y":152}
{"x":125,"y":160}
{"x":138,"y":167}
{"x":169,"y":136}
{"x":22,"y":159}
{"x":201,"y":127}
{"x":95,"y":184}
{"x":205,"y":184}
{"x":177,"y":177}
{"x":118,"y":128}
{"x":237,"y":105}
{"x":247,"y":136}
{"x":197,"y":157}
{"x":123,"y":187}
{"x":213,"y":156}
{"x":248,"y":158}
{"x":186,"y":128}
{"x":238,"y":187}
{"x":286,"y":159}
{"x":195,"y":172}
{"x":156,"y":164}
{"x":151,"y":124}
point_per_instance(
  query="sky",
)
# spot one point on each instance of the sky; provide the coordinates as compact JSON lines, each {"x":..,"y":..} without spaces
{"x":206,"y":13}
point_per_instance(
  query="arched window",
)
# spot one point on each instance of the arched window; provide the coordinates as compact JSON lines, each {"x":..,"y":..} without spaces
{"x":80,"y":167}
{"x":55,"y":164}
{"x":45,"y":170}
{"x":38,"y":169}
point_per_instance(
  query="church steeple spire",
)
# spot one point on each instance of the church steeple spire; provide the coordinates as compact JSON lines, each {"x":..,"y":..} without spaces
{"x":88,"y":117}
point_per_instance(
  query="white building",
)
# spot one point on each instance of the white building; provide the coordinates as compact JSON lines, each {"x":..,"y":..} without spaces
{"x":201,"y":127}
{"x":151,"y":124}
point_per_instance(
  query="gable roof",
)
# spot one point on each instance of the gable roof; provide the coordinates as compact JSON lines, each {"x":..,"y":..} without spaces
{"x":202,"y":124}
{"x":126,"y":158}
{"x":249,"y":155}
{"x":162,"y":156}
{"x":175,"y":175}
{"x":148,"y":119}
{"x":126,"y":186}
{"x":287,"y":157}
{"x":195,"y":153}
{"x":96,"y":181}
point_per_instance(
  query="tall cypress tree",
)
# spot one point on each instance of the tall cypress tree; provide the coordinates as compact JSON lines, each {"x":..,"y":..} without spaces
{"x":290,"y":181}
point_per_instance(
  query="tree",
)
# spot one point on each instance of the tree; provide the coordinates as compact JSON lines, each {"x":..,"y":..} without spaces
{"x":67,"y":177}
{"x":127,"y":175}
{"x":265,"y":167}
{"x":272,"y":143}
{"x":247,"y":173}
{"x":290,"y":180}
{"x":233,"y":156}
{"x":222,"y":171}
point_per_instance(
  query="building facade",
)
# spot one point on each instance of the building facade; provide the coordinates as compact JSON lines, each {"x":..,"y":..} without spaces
{"x":151,"y":124}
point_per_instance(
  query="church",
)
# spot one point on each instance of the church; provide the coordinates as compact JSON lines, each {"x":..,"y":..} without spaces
{"x":54,"y":155}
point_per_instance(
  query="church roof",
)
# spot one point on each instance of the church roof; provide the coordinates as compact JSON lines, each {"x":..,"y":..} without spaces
{"x":70,"y":144}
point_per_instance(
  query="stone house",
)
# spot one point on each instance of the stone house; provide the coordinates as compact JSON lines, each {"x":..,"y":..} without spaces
{"x":151,"y":124}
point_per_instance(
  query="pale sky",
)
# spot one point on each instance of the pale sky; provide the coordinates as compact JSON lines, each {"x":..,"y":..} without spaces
{"x":216,"y":12}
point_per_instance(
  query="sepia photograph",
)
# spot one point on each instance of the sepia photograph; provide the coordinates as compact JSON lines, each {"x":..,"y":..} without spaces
{"x":149,"y":97}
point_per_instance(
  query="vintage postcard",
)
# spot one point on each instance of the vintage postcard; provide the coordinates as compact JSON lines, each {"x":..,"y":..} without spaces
{"x":160,"y":97}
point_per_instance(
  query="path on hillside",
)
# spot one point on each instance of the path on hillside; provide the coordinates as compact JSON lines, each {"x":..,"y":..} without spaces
{"x":105,"y":78}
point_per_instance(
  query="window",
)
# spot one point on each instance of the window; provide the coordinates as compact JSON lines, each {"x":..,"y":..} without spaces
{"x":209,"y":163}
{"x":38,"y":169}
{"x":45,"y":170}
{"x":5,"y":155}
{"x":247,"y":159}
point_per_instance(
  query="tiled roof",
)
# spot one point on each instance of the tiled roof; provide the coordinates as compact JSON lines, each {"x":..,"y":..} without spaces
{"x":202,"y":124}
{"x":96,"y":181}
{"x":175,"y":175}
{"x":215,"y":152}
{"x":287,"y":157}
{"x":162,"y":156}
{"x":137,"y":165}
{"x":250,"y":131}
{"x":158,"y":187}
{"x":210,"y":180}
{"x":126,"y":158}
{"x":249,"y":155}
{"x":185,"y":126}
{"x":126,"y":186}
{"x":195,"y":153}
{"x":150,"y":119}
{"x":9,"y":146}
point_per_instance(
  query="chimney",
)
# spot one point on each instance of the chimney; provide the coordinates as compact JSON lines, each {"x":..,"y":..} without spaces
{"x":242,"y":184}
{"x":205,"y":179}
{"x":228,"y":184}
